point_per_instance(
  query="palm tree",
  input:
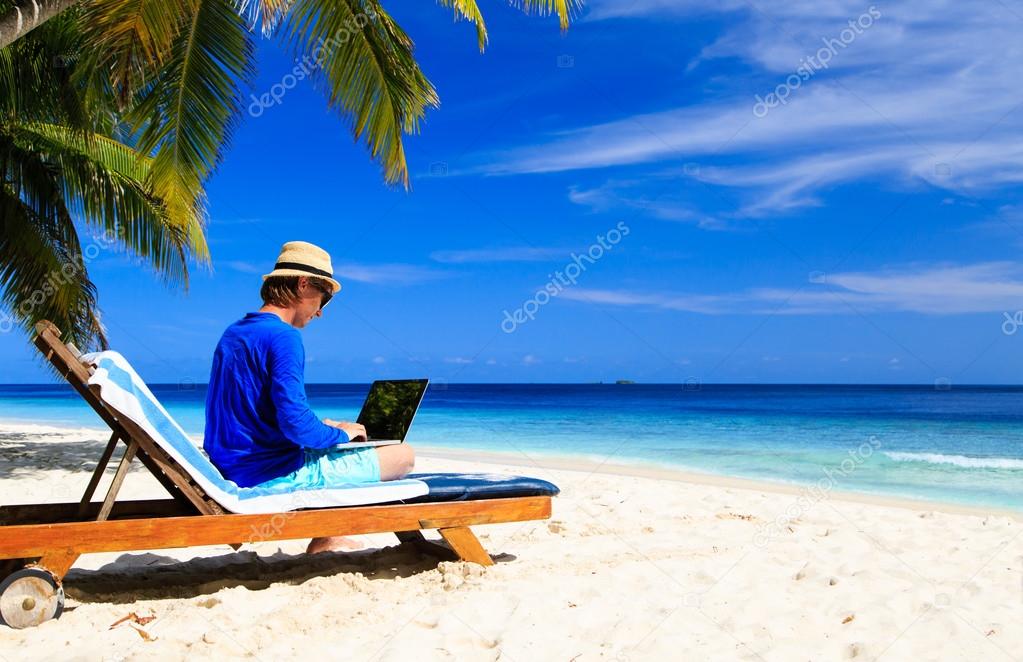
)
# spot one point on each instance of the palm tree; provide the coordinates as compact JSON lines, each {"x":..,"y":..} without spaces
{"x":148,"y":108}
{"x":64,"y":173}
{"x":182,"y":63}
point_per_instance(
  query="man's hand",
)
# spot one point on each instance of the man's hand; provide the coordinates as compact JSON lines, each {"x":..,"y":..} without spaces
{"x":354,"y":431}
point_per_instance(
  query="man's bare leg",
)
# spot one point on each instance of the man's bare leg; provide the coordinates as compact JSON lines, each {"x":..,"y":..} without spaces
{"x":396,"y":462}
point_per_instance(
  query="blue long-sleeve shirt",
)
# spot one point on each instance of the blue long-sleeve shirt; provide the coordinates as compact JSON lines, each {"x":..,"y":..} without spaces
{"x":257,"y":417}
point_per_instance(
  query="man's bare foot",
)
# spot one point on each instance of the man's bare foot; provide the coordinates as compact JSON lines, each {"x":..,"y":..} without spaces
{"x":333,"y":544}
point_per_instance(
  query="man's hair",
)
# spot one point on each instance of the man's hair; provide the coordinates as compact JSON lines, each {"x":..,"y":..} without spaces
{"x":279,"y":291}
{"x":283,"y":290}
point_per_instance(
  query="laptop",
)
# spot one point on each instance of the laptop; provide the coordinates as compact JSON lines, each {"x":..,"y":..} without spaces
{"x":388,"y":411}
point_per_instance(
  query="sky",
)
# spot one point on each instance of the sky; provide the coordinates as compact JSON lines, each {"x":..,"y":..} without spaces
{"x":672,"y":191}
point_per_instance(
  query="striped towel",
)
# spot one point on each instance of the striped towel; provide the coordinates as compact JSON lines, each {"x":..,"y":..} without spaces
{"x":124,"y":391}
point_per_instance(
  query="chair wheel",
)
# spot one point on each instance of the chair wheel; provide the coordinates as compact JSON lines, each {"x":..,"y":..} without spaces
{"x":29,"y":597}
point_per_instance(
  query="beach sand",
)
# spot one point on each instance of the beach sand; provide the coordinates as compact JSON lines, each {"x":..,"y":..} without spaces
{"x":636,"y":564}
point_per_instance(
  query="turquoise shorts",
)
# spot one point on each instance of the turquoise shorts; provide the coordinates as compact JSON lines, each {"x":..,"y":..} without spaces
{"x":332,"y":467}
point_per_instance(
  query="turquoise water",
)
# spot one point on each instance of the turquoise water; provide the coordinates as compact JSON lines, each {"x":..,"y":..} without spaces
{"x":962,"y":445}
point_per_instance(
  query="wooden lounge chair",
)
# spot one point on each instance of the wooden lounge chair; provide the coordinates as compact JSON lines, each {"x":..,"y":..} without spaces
{"x":40,"y":542}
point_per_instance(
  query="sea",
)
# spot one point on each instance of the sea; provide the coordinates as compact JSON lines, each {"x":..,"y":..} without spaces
{"x":958,"y":444}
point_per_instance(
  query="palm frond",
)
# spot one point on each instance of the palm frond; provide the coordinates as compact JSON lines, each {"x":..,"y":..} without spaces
{"x":107,"y":152}
{"x":104,"y":183}
{"x":364,"y":62}
{"x":133,"y":37}
{"x":267,"y":13}
{"x":43,"y":274}
{"x":62,"y":173}
{"x":36,"y":75}
{"x":470,"y":11}
{"x":565,"y":9}
{"x":110,"y":184}
{"x":188,"y":112}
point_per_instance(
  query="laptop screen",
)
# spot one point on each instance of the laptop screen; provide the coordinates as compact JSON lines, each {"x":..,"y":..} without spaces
{"x":390,"y":408}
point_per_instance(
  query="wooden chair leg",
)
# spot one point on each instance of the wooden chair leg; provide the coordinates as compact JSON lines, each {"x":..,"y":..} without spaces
{"x":466,"y":545}
{"x":58,"y":561}
{"x":115,"y":485}
{"x":97,"y":475}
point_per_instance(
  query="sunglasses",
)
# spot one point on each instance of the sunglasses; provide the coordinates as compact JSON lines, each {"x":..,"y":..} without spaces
{"x":325,"y":295}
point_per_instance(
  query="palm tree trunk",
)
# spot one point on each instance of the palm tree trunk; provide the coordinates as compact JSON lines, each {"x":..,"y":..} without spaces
{"x":27,"y":14}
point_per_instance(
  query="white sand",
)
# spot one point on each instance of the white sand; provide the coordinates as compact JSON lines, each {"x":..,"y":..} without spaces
{"x":659,"y":566}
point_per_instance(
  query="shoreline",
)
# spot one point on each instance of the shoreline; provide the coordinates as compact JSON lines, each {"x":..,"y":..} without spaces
{"x":584,"y":464}
{"x":638,"y":469}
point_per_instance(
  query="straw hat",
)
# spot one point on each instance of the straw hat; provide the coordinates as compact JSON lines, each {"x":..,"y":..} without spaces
{"x":300,"y":258}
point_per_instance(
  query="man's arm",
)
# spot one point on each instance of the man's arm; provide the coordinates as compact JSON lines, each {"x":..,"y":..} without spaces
{"x":287,"y":390}
{"x":355,"y":431}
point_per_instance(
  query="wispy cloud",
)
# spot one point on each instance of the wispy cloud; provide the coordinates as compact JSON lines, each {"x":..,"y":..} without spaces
{"x":898,"y":105}
{"x":694,"y":303}
{"x":507,"y":254}
{"x":388,"y":274}
{"x":604,"y":9}
{"x":935,"y":290}
{"x":614,"y":195}
{"x":244,"y":267}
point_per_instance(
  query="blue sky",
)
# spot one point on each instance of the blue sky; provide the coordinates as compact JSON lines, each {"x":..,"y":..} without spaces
{"x":868,"y":229}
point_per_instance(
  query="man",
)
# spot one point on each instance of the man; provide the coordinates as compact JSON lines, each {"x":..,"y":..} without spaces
{"x":260,"y":430}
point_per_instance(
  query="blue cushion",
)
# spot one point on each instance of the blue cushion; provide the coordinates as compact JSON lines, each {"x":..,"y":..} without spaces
{"x":469,"y":487}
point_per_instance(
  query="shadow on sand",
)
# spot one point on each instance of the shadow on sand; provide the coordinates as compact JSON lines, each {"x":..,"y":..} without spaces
{"x":148,"y":576}
{"x":25,"y":454}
